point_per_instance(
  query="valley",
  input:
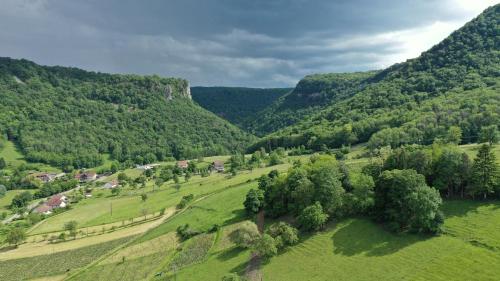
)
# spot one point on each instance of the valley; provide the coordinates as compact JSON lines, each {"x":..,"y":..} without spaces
{"x":389,"y":174}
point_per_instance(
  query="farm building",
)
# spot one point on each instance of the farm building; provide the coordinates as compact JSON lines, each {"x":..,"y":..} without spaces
{"x":45,"y":177}
{"x":218,"y":166}
{"x":111,"y":184}
{"x":54,"y":202}
{"x":86,"y":176}
{"x":146,"y":167}
{"x":183,"y":164}
{"x":43,"y":209}
{"x":57,"y":201}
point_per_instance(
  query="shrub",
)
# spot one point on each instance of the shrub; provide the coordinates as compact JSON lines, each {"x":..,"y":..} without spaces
{"x":245,"y":236}
{"x":186,"y":232}
{"x":185,"y":200}
{"x":266,"y":246}
{"x":283,"y":234}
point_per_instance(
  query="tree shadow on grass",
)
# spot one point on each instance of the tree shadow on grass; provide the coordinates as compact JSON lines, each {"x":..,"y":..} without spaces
{"x":203,"y":208}
{"x":7,"y":248}
{"x":363,"y":236}
{"x":237,"y":216}
{"x":460,"y":208}
{"x":230,"y":253}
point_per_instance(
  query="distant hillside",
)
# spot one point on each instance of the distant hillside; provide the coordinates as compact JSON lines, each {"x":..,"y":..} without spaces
{"x":455,"y":83}
{"x":70,"y":117}
{"x":311,"y":94}
{"x":237,"y":105}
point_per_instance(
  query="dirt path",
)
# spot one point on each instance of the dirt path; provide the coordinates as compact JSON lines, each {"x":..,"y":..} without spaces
{"x":253,"y":272}
{"x":31,"y":249}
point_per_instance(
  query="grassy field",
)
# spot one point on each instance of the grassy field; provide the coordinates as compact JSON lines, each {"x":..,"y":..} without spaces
{"x":133,"y":263}
{"x":358,"y":249}
{"x":7,"y":199}
{"x":97,"y":210}
{"x":14,"y":158}
{"x":223,"y":208}
{"x":54,"y":264}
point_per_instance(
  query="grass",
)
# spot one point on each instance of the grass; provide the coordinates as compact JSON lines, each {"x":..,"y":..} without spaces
{"x":15,"y":158}
{"x":97,"y":211}
{"x":223,"y":208}
{"x":471,"y":150}
{"x":132,"y":263}
{"x":359,"y":249}
{"x":54,"y":264}
{"x":11,"y":155}
{"x":7,"y":199}
{"x":194,"y":251}
{"x":224,"y":258}
{"x":39,"y":247}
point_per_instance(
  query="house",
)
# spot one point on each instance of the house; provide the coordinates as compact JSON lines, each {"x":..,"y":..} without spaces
{"x":43,"y":209}
{"x":146,"y":167}
{"x":57,"y":201}
{"x":183,"y":164}
{"x":86,"y":176}
{"x":111,"y":184}
{"x":45,"y":177}
{"x":218,"y":166}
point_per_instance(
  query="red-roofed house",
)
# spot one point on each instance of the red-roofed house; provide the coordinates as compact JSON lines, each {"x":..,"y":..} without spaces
{"x":57,"y":201}
{"x":43,"y":209}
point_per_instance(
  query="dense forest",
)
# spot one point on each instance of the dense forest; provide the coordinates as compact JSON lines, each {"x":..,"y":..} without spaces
{"x":452,"y":88}
{"x":68,"y":117}
{"x":313,"y":93}
{"x":237,"y":105}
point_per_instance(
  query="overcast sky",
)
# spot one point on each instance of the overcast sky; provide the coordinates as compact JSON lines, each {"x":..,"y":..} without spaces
{"x":255,"y":43}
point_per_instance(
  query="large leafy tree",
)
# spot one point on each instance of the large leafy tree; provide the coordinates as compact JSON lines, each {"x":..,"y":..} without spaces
{"x":313,"y":217}
{"x":404,"y":201}
{"x":254,"y":201}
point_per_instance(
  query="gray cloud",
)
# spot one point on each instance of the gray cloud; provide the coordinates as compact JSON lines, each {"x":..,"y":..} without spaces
{"x":264,"y":43}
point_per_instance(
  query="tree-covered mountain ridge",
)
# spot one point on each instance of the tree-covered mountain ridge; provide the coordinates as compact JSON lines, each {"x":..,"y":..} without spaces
{"x":453,"y":84}
{"x":69,"y":117}
{"x":238,"y":105}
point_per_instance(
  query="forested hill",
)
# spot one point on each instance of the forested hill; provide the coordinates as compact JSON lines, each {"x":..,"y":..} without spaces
{"x":312,"y":93}
{"x":69,"y":117}
{"x":236,"y":104}
{"x":452,"y":89}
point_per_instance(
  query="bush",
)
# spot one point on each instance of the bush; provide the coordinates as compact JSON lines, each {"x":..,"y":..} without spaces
{"x":15,"y":236}
{"x":245,"y":236}
{"x":185,"y":201}
{"x":186,"y":232}
{"x":266,"y":246}
{"x":283,"y":234}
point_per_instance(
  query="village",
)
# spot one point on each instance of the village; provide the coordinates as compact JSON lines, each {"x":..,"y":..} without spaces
{"x":88,"y":180}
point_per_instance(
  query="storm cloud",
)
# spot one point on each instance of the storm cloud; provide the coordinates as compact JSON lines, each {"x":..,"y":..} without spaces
{"x":258,"y":43}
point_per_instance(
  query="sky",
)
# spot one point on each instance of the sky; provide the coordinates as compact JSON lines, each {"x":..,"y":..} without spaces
{"x":251,"y":43}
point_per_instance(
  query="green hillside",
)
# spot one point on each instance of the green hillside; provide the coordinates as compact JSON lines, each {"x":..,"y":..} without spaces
{"x":455,"y":83}
{"x":313,"y":93}
{"x":70,"y":117}
{"x":237,"y":105}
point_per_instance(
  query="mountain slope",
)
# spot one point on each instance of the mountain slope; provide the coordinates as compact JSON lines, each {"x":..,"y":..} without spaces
{"x":69,"y":117}
{"x":235,"y":104}
{"x":408,"y":97}
{"x":311,"y":94}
